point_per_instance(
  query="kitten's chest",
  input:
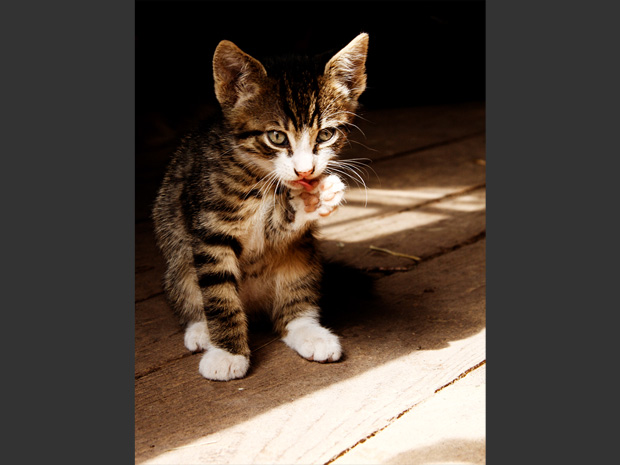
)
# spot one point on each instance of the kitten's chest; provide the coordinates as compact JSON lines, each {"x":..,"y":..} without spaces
{"x":254,"y":239}
{"x":267,"y":230}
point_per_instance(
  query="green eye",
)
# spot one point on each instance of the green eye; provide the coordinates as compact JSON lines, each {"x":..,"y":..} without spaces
{"x":277,"y":137}
{"x":325,"y":134}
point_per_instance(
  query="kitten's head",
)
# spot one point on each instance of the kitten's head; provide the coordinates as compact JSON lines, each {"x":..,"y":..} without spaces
{"x":290,"y":116}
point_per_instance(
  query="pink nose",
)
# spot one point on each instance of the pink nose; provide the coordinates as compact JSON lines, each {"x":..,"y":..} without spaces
{"x":304,"y":174}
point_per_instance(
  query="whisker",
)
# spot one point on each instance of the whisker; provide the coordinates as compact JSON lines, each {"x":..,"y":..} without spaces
{"x":365,"y":146}
{"x":359,"y":168}
{"x":264,"y":188}
{"x":361,"y":162}
{"x":350,"y":173}
{"x":333,"y":170}
{"x":355,"y":164}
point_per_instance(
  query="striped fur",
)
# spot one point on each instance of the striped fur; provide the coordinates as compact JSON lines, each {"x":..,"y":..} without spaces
{"x":230,"y":218}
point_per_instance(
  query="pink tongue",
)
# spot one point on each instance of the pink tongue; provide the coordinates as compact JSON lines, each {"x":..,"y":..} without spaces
{"x":306,"y":185}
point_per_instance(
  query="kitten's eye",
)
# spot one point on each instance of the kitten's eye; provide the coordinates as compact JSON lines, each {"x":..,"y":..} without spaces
{"x":325,"y":134}
{"x":277,"y":137}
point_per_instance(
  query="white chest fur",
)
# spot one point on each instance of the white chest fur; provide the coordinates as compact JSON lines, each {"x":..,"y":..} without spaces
{"x":254,"y":242}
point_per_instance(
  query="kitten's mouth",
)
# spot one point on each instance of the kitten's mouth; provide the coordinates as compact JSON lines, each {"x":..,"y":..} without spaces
{"x":308,"y":185}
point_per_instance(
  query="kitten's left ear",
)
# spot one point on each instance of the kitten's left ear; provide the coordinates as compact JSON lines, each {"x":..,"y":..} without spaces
{"x":346,"y":71}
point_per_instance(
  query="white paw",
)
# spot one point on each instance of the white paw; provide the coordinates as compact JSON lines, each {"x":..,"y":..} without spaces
{"x":312,"y":341}
{"x":220,"y":365}
{"x":331,"y":193}
{"x":197,"y":336}
{"x":322,"y":200}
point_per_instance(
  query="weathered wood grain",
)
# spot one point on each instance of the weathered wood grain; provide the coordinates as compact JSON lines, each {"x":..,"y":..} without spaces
{"x":421,"y":330}
{"x":449,"y":427}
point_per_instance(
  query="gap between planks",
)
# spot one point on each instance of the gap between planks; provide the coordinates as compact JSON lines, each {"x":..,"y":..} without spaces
{"x":434,"y":145}
{"x":396,"y":417}
{"x":386,"y":271}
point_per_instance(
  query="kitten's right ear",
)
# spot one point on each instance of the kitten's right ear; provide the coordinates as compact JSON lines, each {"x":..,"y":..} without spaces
{"x":236,"y":74}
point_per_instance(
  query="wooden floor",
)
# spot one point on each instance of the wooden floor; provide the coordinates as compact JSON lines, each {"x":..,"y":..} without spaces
{"x":408,"y":327}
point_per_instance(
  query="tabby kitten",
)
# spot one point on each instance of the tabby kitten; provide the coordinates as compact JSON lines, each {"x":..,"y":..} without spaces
{"x":236,"y":216}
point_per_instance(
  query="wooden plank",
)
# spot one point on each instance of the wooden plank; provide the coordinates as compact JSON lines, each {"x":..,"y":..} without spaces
{"x":449,"y":427}
{"x":414,"y":333}
{"x":149,"y":263}
{"x":158,"y":336}
{"x":387,"y":132}
{"x":421,"y":232}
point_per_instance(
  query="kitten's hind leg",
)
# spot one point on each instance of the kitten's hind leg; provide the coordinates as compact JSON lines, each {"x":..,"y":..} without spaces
{"x":183,"y":291}
{"x":197,"y":336}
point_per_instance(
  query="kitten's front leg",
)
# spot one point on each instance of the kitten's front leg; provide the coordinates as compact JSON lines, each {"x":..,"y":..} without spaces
{"x":320,"y":200}
{"x":296,"y":311}
{"x":224,"y":329}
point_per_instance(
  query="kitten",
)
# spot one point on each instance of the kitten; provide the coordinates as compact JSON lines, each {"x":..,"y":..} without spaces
{"x":236,"y":216}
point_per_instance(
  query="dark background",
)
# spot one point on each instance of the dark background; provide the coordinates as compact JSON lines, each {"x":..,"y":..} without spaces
{"x":420,"y":52}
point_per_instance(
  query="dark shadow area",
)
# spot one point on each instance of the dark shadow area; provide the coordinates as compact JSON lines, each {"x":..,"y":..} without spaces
{"x":423,"y":308}
{"x":420,"y":53}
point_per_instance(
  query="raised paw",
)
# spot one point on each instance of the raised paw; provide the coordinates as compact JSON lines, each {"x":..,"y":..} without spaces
{"x":220,"y":365}
{"x":323,"y":196}
{"x":197,"y":336}
{"x":331,"y":193}
{"x":312,"y":341}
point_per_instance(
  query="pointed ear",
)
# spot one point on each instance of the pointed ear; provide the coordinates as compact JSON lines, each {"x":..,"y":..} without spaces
{"x":346,"y":71}
{"x":236,"y":74}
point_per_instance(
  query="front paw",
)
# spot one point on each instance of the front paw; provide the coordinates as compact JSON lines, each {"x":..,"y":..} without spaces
{"x":331,"y":193}
{"x":324,"y":198}
{"x":312,"y":341}
{"x":220,"y":365}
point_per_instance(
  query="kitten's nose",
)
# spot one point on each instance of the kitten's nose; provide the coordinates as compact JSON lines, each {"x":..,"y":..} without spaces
{"x":304,"y":174}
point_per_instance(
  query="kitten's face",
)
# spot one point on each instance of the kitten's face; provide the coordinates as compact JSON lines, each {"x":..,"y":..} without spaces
{"x":291,"y":118}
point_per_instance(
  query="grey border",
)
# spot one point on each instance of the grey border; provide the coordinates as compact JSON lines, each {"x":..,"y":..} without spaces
{"x":552,"y":103}
{"x":67,"y":188}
